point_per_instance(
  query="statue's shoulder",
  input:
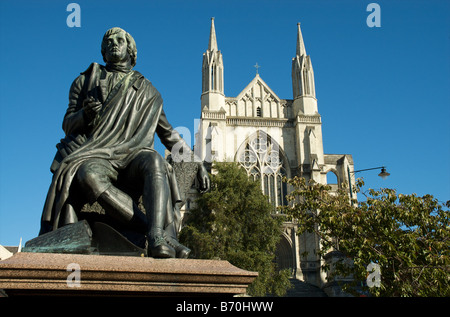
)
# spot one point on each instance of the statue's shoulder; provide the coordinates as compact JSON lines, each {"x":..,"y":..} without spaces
{"x":142,"y":81}
{"x":92,"y":72}
{"x":94,"y":67}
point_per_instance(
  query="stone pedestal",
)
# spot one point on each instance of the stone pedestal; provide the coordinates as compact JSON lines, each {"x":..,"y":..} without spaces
{"x":102,"y":275}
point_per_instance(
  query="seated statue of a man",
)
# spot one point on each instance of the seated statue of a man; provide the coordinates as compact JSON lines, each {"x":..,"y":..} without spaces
{"x":108,"y":152}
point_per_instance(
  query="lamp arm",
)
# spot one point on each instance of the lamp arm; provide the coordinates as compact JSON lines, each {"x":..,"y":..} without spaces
{"x":367,"y":169}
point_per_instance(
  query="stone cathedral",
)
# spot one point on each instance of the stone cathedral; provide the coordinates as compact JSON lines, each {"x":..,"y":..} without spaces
{"x":270,"y":137}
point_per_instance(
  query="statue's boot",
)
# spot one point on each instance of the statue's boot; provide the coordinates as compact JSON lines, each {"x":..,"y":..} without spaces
{"x":121,"y":207}
{"x":156,"y":195}
{"x":181,"y":251}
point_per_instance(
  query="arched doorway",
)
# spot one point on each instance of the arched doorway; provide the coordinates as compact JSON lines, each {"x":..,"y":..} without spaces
{"x":284,"y":257}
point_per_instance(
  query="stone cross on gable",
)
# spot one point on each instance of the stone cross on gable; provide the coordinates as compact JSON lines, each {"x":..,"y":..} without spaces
{"x":257,"y":66}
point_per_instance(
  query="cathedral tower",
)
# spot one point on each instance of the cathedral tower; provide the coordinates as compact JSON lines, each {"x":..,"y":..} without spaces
{"x":213,"y":97}
{"x":210,"y":136}
{"x":303,"y":79}
{"x":308,"y":121}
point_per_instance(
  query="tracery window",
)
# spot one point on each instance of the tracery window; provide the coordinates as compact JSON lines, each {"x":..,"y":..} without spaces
{"x":264,"y":162}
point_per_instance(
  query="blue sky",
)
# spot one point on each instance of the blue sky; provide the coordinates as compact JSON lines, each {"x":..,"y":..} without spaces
{"x":383,"y":93}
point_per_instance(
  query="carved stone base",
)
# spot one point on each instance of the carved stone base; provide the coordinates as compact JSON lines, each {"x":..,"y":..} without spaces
{"x":100,"y":275}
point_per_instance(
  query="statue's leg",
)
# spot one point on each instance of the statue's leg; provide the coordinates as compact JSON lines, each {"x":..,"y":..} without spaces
{"x":72,"y":206}
{"x":149,"y":168}
{"x":121,"y":206}
{"x":95,"y":178}
{"x":69,"y":215}
{"x":171,"y":237}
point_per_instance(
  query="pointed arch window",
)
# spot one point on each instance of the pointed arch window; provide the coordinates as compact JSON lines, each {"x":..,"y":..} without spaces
{"x":264,"y":162}
{"x":213,"y":79}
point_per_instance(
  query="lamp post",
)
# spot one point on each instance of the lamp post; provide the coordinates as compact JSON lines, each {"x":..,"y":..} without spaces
{"x":383,"y":174}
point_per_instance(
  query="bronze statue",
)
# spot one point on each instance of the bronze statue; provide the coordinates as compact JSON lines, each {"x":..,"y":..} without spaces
{"x":107,"y":155}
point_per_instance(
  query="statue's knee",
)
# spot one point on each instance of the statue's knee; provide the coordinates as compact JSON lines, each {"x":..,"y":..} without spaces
{"x":152,"y":163}
{"x":86,"y":175}
{"x":89,"y":175}
{"x":95,"y":178}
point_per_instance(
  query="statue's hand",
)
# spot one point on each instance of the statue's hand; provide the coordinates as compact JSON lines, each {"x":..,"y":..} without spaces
{"x":91,"y":107}
{"x":203,"y":178}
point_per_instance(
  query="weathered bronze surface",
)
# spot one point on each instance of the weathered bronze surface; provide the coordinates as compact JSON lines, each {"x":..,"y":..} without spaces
{"x":107,"y":157}
{"x":82,"y":238}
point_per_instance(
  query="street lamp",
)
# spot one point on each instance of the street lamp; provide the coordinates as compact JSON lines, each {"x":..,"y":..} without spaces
{"x":383,"y":175}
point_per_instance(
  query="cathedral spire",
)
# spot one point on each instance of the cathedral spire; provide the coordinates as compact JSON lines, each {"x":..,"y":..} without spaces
{"x":301,"y":51}
{"x":303,"y":79}
{"x":212,"y":74}
{"x":212,"y":37}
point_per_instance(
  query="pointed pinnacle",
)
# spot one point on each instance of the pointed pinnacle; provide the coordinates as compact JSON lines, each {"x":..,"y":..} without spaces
{"x":300,"y":44}
{"x":212,"y":37}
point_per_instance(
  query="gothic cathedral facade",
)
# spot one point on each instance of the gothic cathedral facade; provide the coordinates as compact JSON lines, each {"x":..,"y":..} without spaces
{"x":270,"y":137}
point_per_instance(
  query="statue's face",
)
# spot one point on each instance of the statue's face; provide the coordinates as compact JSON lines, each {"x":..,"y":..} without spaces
{"x":116,"y":48}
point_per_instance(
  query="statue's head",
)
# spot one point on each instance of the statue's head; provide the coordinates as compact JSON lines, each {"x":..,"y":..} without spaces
{"x":117,"y":45}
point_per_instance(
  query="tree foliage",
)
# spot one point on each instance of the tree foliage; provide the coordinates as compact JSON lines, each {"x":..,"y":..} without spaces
{"x":406,"y":235}
{"x":233,"y":222}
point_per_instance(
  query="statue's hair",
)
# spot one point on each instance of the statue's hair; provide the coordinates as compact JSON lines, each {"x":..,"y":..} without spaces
{"x":131,"y":44}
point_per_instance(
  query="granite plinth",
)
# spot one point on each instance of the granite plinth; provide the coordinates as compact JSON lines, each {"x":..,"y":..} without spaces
{"x":102,"y":275}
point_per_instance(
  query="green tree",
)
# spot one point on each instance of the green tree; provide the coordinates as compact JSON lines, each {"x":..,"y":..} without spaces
{"x":405,"y":235}
{"x":234,"y":222}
